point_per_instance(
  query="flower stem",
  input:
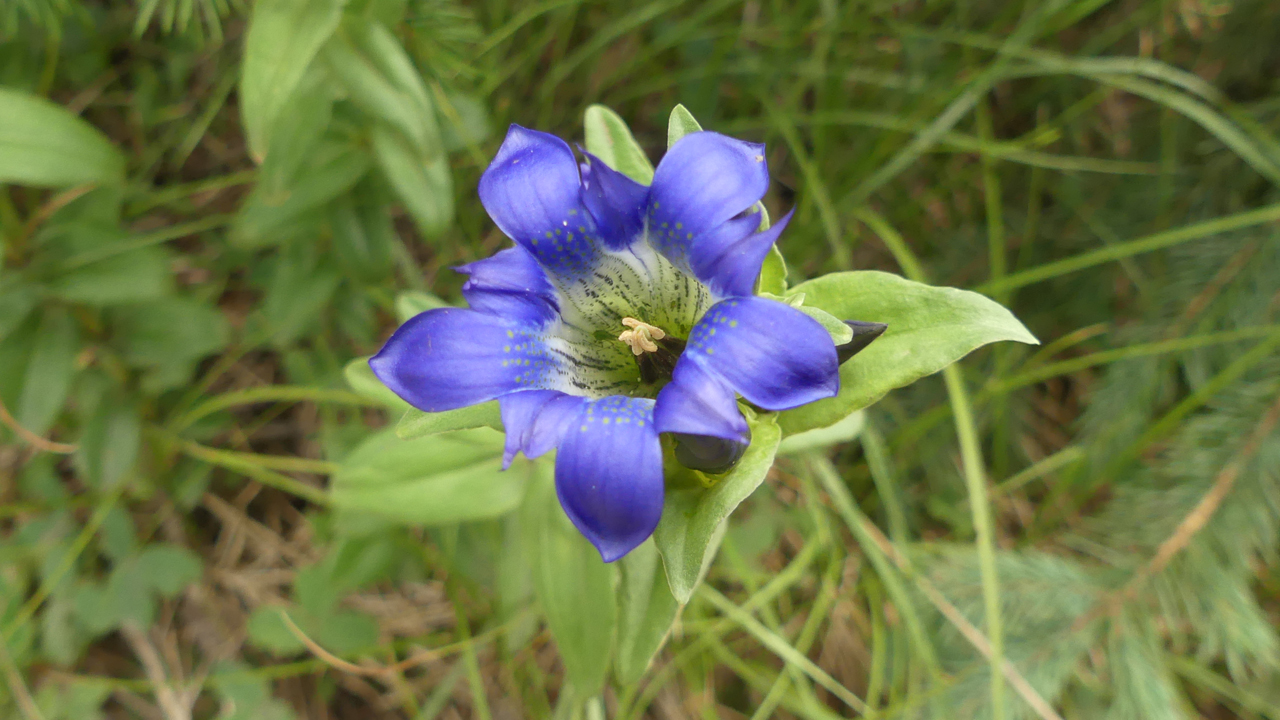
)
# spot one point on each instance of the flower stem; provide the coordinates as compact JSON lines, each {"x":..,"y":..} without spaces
{"x":974,"y":472}
{"x":984,"y":529}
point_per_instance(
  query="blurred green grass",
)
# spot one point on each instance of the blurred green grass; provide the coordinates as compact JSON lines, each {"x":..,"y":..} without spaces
{"x":1107,"y":170}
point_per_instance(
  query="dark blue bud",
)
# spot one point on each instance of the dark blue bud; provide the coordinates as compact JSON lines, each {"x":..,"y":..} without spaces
{"x":863,"y":334}
{"x":708,"y":453}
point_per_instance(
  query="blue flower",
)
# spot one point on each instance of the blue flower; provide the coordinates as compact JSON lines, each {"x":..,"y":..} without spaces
{"x":622,"y":312}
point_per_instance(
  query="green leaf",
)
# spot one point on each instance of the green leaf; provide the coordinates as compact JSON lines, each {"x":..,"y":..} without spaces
{"x":129,"y":597}
{"x":108,"y":447}
{"x":44,"y":145}
{"x":344,"y":632}
{"x":93,"y":609}
{"x":283,"y":38}
{"x":646,"y":612}
{"x":65,"y":699}
{"x":163,"y":332}
{"x":609,"y":138}
{"x":416,"y":423}
{"x":89,"y":262}
{"x":765,"y":224}
{"x":840,"y":333}
{"x":167,"y":569}
{"x":363,"y":238}
{"x":413,"y":302}
{"x":190,"y":481}
{"x":693,"y":519}
{"x":574,"y":586}
{"x":300,"y":292}
{"x":773,"y":274}
{"x":680,"y":123}
{"x":359,"y":562}
{"x":389,"y":12}
{"x":49,"y":371}
{"x":423,"y":184}
{"x":117,"y":536}
{"x":437,"y":480}
{"x":118,"y":276}
{"x":267,"y":630}
{"x":513,"y":585}
{"x":466,"y":126}
{"x":297,"y":135}
{"x":361,"y":379}
{"x":15,"y":356}
{"x":380,"y":79}
{"x":246,"y":695}
{"x":270,"y":216}
{"x":16,"y":302}
{"x":129,"y":277}
{"x":818,"y":438}
{"x":929,"y":328}
{"x":314,"y":590}
{"x":61,"y":640}
{"x":376,"y":41}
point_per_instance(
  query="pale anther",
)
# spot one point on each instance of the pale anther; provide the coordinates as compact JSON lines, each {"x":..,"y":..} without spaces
{"x":640,"y":338}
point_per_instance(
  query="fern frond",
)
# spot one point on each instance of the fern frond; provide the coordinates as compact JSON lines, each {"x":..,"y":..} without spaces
{"x":46,"y":15}
{"x":200,"y":19}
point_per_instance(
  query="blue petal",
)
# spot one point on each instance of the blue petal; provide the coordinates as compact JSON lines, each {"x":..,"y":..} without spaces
{"x":451,"y":358}
{"x":774,"y":355}
{"x":510,"y":284}
{"x":728,"y":261}
{"x":704,"y":180}
{"x":609,"y":474}
{"x":535,"y":420}
{"x":533,"y":192}
{"x":697,"y":402}
{"x":616,"y":202}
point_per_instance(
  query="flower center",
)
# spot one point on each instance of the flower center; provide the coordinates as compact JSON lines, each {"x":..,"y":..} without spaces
{"x":654,"y":351}
{"x":641,"y":336}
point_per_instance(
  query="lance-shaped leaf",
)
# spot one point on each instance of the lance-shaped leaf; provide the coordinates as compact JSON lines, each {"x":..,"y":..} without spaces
{"x":437,"y":480}
{"x":574,"y":587}
{"x":422,"y":182}
{"x":416,"y":423}
{"x":45,"y":145}
{"x":693,"y":519}
{"x":646,"y":611}
{"x":929,"y":328}
{"x":680,"y":123}
{"x":283,"y":38}
{"x":609,"y":139}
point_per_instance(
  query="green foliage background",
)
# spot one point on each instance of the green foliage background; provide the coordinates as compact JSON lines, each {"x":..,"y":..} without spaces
{"x":223,"y":203}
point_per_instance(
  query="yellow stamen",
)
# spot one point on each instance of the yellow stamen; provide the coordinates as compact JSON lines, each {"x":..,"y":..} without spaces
{"x":640,"y":338}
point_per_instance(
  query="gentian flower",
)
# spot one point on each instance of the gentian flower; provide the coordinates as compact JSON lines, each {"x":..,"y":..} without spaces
{"x":622,"y":313}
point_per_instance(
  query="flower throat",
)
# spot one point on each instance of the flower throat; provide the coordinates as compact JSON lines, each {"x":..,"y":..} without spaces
{"x":655,"y":351}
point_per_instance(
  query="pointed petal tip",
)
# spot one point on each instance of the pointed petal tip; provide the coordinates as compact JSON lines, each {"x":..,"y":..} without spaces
{"x":613,"y":553}
{"x":611,"y":549}
{"x":518,"y":130}
{"x":775,"y":356}
{"x":711,"y":136}
{"x":381,"y":365}
{"x":609,"y":477}
{"x":729,"y":259}
{"x":706,"y":179}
